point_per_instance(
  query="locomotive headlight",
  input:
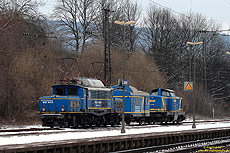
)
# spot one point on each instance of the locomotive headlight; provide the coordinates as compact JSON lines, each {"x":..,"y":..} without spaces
{"x":44,"y":108}
{"x":62,"y":109}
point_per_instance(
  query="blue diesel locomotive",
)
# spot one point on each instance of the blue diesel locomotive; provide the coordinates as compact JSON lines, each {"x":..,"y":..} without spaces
{"x":165,"y":106}
{"x":136,"y":104}
{"x":85,"y":102}
{"x":160,"y":106}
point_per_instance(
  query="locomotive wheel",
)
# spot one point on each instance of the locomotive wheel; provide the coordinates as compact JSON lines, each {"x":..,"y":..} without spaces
{"x":111,"y":120}
{"x":127,"y":122}
{"x":118,"y":120}
{"x":75,"y":121}
{"x":112,"y":123}
{"x":97,"y":123}
{"x":89,"y":121}
{"x":104,"y":121}
{"x":100,"y":121}
{"x":83,"y":122}
{"x":140,"y":122}
{"x":66,"y":124}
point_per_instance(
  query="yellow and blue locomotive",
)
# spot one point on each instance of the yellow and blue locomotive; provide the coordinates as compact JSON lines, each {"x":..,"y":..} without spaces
{"x":136,"y":104}
{"x":85,"y":102}
{"x":161,"y":106}
{"x":165,"y":106}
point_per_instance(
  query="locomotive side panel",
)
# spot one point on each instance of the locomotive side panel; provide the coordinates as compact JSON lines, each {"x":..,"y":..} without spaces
{"x":118,"y":99}
{"x":173,"y":104}
{"x":136,"y":104}
{"x":100,"y":101}
{"x":157,"y":104}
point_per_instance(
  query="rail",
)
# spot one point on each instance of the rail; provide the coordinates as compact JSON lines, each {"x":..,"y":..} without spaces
{"x":120,"y":143}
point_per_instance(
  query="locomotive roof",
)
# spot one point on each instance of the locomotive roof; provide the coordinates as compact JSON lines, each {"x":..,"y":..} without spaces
{"x":89,"y":88}
{"x":133,"y":90}
{"x":170,"y":90}
{"x":104,"y":89}
{"x":85,"y":82}
{"x":163,"y":89}
{"x":137,"y":92}
{"x":92,"y":83}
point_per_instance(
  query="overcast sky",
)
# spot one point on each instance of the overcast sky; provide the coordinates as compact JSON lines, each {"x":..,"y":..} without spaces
{"x":219,"y":10}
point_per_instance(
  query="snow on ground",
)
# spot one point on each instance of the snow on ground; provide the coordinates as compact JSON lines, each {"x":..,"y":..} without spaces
{"x":5,"y":140}
{"x":14,"y":127}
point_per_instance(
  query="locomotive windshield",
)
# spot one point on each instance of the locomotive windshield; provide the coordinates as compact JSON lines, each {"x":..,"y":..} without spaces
{"x":165,"y":93}
{"x":173,"y":94}
{"x":154,"y":93}
{"x":60,"y":91}
{"x":72,"y":91}
{"x":65,"y":90}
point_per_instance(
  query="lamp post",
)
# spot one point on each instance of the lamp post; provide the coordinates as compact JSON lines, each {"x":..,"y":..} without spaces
{"x":123,"y":101}
{"x":190,"y":76}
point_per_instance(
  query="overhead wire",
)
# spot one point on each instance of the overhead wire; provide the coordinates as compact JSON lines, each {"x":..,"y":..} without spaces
{"x":190,"y":10}
{"x":169,"y":9}
{"x":227,"y":2}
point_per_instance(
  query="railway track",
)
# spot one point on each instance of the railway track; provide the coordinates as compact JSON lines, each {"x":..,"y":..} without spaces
{"x":47,"y":131}
{"x":207,"y":121}
{"x":186,"y":147}
{"x":174,"y":141}
{"x":27,"y":129}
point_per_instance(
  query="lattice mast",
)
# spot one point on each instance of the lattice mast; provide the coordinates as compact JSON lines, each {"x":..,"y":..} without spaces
{"x":107,"y":59}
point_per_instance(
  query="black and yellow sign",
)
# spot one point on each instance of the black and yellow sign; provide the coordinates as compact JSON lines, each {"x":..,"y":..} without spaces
{"x":188,"y":86}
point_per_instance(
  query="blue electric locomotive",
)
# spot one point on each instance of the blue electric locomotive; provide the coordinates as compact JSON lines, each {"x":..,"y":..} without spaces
{"x":165,"y":106}
{"x":136,"y":104}
{"x":85,"y":102}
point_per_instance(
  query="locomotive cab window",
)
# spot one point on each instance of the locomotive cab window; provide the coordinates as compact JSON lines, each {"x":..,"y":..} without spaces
{"x":72,"y":91}
{"x":165,"y":93}
{"x":119,"y":88}
{"x":60,"y":91}
{"x":154,"y":93}
{"x":173,"y":94}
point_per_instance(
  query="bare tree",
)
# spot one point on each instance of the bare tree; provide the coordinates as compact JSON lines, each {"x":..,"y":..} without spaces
{"x":165,"y":39}
{"x":121,"y":11}
{"x":76,"y":21}
{"x":14,"y":8}
{"x":114,"y":10}
{"x":160,"y":39}
{"x":131,"y":12}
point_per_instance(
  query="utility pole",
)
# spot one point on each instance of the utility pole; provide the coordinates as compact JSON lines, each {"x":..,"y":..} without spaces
{"x":190,"y":62}
{"x":107,"y":59}
{"x":123,"y":80}
{"x":190,"y":78}
{"x":123,"y":101}
{"x":205,"y":68}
